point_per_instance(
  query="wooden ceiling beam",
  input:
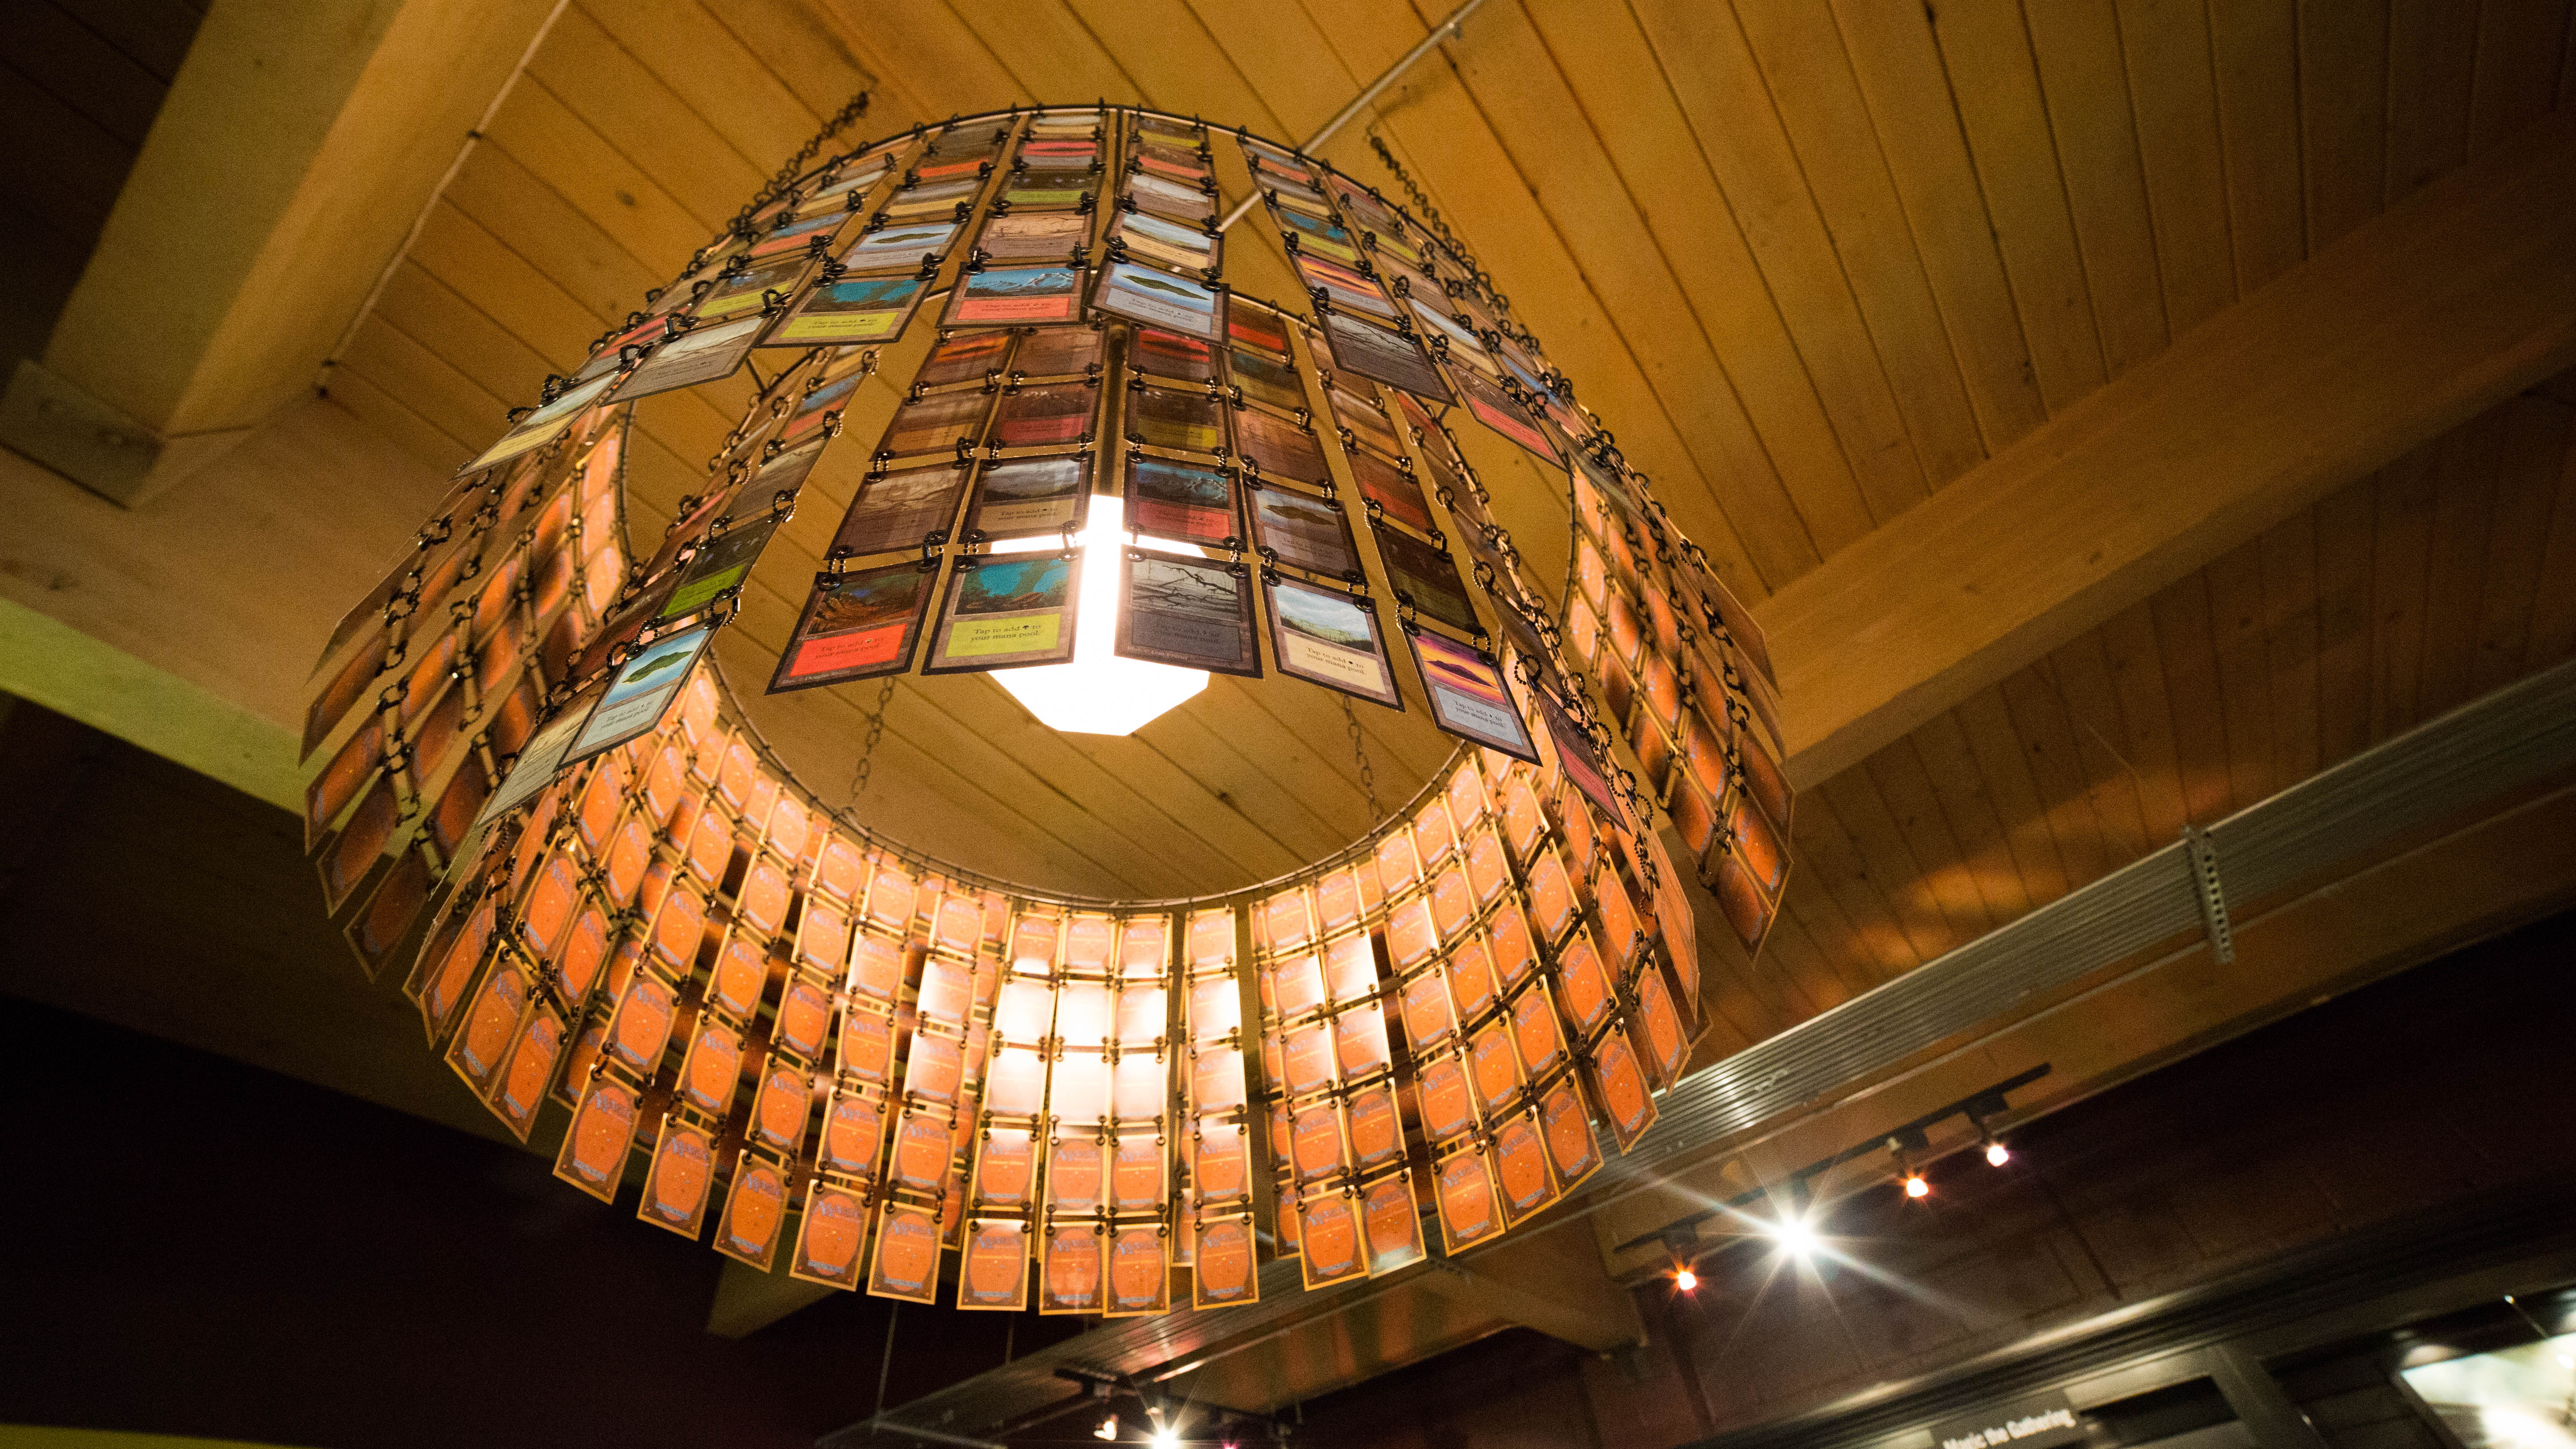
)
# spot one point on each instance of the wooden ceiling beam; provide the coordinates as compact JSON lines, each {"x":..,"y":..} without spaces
{"x":2415,"y":322}
{"x":295,"y":148}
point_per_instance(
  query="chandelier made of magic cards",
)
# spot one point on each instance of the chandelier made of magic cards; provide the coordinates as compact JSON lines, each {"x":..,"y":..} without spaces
{"x":1107,"y":477}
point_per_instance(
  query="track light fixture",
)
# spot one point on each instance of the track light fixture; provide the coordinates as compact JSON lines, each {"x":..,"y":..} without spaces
{"x":1916,"y":1185}
{"x":1997,"y":1154}
{"x":1685,"y":1280}
{"x":1108,"y":1427}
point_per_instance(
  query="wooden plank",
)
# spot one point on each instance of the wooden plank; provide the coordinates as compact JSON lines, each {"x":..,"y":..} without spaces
{"x":2432,"y":54}
{"x":394,"y":421}
{"x":457,"y":333}
{"x":2553,"y":613}
{"x":1483,"y":196}
{"x":1811,"y":83}
{"x":1047,"y":48}
{"x":1897,"y":66}
{"x":1969,"y":811}
{"x":154,"y":34}
{"x":2255,"y":50}
{"x":1914,"y":807}
{"x":2174,"y":90}
{"x":2520,"y":43}
{"x":2245,"y":676}
{"x":550,"y":237}
{"x":1893,"y":868}
{"x":2463,"y":506}
{"x":2085,"y":84}
{"x":1994,"y":85}
{"x":1518,"y":91}
{"x":454,"y":403}
{"x":612,"y":92}
{"x":2346,"y":522}
{"x":542,"y":134}
{"x":1707,"y":66}
{"x":2536,"y":452}
{"x":2189,"y":656}
{"x":2146,"y":738}
{"x":1852,"y":966}
{"x":2047,"y":742}
{"x":70,"y":62}
{"x":2289,"y":569}
{"x":712,"y":71}
{"x":2401,"y":554}
{"x":822,"y":66}
{"x":2343,"y":105}
{"x":2082,"y":681}
{"x":70,"y":182}
{"x":1986,"y":723}
{"x":2287,"y":395}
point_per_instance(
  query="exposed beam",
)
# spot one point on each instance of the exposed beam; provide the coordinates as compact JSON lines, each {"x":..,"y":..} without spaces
{"x":2477,"y":879}
{"x":1552,"y":1281}
{"x":2412,"y":324}
{"x":748,"y":1300}
{"x":296,"y":146}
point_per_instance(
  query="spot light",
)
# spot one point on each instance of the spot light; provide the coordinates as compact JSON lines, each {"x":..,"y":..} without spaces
{"x":1915,"y":1186}
{"x":1997,"y":1154}
{"x":1795,"y":1235}
{"x":1685,"y":1280}
{"x":1108,"y":1427}
{"x":1167,"y":1439}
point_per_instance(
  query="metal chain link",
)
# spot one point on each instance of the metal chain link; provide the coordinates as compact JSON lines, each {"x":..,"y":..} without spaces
{"x":786,"y":175}
{"x":868,"y":749}
{"x":1368,"y":775}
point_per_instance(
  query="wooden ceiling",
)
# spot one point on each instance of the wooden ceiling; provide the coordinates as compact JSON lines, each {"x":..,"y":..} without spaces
{"x":1811,"y":261}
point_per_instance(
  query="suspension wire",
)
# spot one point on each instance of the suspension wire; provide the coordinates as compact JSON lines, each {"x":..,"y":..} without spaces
{"x":1359,"y":751}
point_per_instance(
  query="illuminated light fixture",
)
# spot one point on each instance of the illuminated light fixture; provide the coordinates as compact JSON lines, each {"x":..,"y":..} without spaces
{"x":1685,"y":1280}
{"x":1167,"y":1439}
{"x":1917,"y":1187}
{"x":1795,"y":1235}
{"x":1108,"y":1427}
{"x":1100,"y":693}
{"x":1997,"y":1154}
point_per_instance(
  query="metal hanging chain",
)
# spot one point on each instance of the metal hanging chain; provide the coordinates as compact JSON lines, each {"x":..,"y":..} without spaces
{"x":1368,"y":775}
{"x":1431,"y":217}
{"x":868,"y":750}
{"x":777,"y":186}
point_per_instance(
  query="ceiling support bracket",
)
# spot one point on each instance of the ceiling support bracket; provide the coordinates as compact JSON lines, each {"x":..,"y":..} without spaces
{"x":2211,"y":891}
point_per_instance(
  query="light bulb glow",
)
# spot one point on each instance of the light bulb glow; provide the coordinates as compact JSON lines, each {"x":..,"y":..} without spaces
{"x":1795,"y":1235}
{"x":1685,"y":1280}
{"x":1099,"y":693}
{"x":1167,"y":1439}
{"x":1997,"y":1154}
{"x":1916,"y":1187}
{"x":1108,"y":1427}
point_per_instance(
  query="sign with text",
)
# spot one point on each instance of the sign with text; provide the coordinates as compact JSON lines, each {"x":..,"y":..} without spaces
{"x":2041,"y":1421}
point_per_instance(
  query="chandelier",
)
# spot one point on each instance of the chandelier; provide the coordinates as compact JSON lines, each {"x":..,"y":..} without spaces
{"x":1109,"y":477}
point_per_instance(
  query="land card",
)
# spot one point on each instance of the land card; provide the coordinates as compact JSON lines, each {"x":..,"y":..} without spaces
{"x":1303,"y":531}
{"x":639,"y":693}
{"x":1035,"y":236}
{"x":750,"y":289}
{"x":1265,"y":379}
{"x":942,"y":422}
{"x":900,"y":509}
{"x":717,"y":570}
{"x":1395,"y":358}
{"x":1147,"y":237}
{"x":856,"y":625}
{"x":1337,"y":288}
{"x":1157,"y":298}
{"x":1167,"y":197}
{"x":916,"y":248}
{"x":1158,"y":353}
{"x":1275,"y":447}
{"x":1328,"y":637}
{"x":542,"y":426}
{"x":1177,"y":419}
{"x":1577,"y":757}
{"x":1191,"y":612}
{"x":1062,"y":351}
{"x":873,"y":310}
{"x":966,"y":357}
{"x":1470,"y":697}
{"x":1182,"y":502}
{"x":1395,"y":492}
{"x":1006,"y":611}
{"x":1496,"y":410}
{"x":1425,"y":578}
{"x":1045,"y":415}
{"x":1014,"y":296}
{"x":1030,"y":497}
{"x":701,"y":354}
